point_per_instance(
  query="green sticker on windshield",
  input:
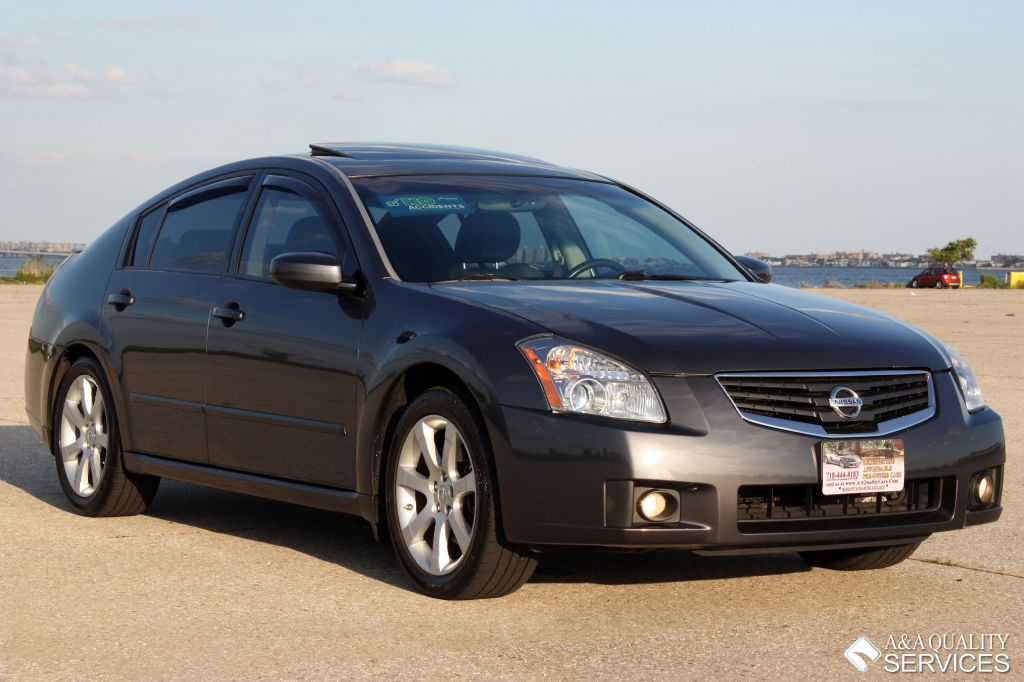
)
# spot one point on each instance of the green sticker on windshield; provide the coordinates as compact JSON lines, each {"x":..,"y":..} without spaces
{"x":420,"y":204}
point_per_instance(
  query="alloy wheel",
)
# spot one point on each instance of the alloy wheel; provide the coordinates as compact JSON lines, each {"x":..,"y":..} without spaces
{"x":435,"y":495}
{"x":84,"y":439}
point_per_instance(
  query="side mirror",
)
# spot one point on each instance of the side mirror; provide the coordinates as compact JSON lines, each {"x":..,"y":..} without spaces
{"x":309,"y":270}
{"x":758,"y":268}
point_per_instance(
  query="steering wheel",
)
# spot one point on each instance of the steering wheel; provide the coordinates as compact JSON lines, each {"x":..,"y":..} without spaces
{"x":594,"y":264}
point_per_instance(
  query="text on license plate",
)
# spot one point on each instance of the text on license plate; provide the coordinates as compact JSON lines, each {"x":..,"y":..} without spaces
{"x":861,"y":466}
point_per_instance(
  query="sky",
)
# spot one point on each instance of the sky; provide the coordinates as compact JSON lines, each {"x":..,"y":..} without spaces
{"x":785,"y":127}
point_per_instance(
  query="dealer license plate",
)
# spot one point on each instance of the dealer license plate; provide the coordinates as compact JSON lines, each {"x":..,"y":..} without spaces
{"x":861,"y":466}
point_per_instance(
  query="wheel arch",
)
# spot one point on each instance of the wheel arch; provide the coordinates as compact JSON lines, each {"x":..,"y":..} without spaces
{"x":393,"y":396}
{"x":386,"y":403}
{"x":68,"y":355}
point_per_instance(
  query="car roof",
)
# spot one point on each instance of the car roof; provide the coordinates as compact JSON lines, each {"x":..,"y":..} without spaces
{"x":367,"y":159}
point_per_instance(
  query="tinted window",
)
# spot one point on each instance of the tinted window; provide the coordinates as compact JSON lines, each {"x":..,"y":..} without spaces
{"x":285,"y":222}
{"x":534,"y":249}
{"x":196,"y":234}
{"x":144,"y":237}
{"x":611,"y":235}
{"x":450,"y":227}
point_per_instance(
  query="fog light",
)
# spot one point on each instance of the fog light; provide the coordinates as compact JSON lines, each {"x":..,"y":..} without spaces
{"x":656,"y":505}
{"x":984,"y":489}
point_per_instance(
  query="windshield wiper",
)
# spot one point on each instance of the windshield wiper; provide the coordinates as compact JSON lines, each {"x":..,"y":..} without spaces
{"x":640,"y":275}
{"x":486,"y":276}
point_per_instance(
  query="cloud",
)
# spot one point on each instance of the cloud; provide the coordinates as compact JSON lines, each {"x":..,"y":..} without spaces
{"x":141,"y":159}
{"x":44,"y":158}
{"x":48,"y":159}
{"x":155,"y":86}
{"x":404,"y":71}
{"x":24,"y":40}
{"x":72,"y":81}
{"x":40,"y":80}
{"x":188,"y":22}
{"x":115,"y":73}
{"x":345,"y":96}
{"x":284,"y":71}
{"x":112,"y":73}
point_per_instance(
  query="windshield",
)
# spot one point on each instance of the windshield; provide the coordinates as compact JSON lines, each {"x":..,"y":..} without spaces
{"x":440,"y":228}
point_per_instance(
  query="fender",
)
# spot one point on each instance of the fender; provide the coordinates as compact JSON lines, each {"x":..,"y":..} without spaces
{"x":69,"y":313}
{"x":422,"y":350}
{"x":487,"y":364}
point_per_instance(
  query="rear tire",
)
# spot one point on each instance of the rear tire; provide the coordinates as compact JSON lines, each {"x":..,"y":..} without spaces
{"x":940,"y":285}
{"x":440,"y":502}
{"x":87,"y":448}
{"x":860,"y":559}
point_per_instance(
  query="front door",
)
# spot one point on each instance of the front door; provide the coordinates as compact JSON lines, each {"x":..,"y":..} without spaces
{"x":281,"y":369}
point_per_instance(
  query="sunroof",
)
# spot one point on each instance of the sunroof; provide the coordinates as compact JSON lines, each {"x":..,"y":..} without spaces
{"x":384,"y":151}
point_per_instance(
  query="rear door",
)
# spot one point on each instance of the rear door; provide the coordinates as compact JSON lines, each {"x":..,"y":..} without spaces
{"x":158,"y":309}
{"x":281,"y":387}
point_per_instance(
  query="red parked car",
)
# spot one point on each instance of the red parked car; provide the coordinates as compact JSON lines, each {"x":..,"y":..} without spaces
{"x":937,"y":276}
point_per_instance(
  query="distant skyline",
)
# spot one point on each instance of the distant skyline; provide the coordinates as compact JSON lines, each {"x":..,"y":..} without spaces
{"x":784,"y":127}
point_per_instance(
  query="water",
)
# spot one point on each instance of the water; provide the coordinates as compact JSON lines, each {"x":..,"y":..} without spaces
{"x":847,"y":277}
{"x":10,"y":264}
{"x":786,"y":276}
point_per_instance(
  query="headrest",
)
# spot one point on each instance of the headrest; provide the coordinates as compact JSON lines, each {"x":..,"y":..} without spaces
{"x":416,"y":247}
{"x":310,"y":234}
{"x":487,"y":237}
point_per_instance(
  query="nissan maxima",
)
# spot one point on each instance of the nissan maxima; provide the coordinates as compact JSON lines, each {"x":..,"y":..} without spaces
{"x":486,"y":356}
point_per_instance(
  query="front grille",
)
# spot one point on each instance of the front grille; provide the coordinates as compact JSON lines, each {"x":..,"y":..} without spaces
{"x":800,"y":402}
{"x":762,"y":509}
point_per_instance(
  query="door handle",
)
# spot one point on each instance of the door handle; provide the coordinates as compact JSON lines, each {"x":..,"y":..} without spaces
{"x":121,"y":300}
{"x":230,"y":313}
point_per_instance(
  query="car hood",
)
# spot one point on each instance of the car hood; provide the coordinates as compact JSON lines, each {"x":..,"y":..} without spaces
{"x":708,"y":327}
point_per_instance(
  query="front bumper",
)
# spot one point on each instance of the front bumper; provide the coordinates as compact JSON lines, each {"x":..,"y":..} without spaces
{"x":565,"y":479}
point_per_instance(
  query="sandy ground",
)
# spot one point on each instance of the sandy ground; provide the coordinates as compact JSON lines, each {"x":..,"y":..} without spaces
{"x":216,"y":585}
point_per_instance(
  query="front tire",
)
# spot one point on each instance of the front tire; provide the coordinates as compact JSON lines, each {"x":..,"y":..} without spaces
{"x":87,"y":448}
{"x":860,"y":559}
{"x":914,"y":284}
{"x":440,"y":501}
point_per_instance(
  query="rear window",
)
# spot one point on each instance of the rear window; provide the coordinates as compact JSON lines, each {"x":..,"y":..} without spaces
{"x":196,"y":235}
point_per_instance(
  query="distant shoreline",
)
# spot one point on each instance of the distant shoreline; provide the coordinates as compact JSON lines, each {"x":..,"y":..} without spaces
{"x":891,"y":267}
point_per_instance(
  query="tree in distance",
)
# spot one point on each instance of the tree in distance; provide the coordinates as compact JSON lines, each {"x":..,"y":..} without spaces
{"x":954,"y":252}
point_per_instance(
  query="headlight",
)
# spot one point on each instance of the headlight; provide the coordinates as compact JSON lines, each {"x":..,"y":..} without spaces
{"x":970,"y":387}
{"x":582,"y":380}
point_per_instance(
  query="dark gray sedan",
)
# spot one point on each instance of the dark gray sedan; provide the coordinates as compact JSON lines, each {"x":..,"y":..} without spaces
{"x":485,"y":356}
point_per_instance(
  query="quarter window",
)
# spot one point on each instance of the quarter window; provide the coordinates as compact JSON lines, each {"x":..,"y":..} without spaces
{"x":285,"y":222}
{"x":196,"y":234}
{"x":144,"y":237}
